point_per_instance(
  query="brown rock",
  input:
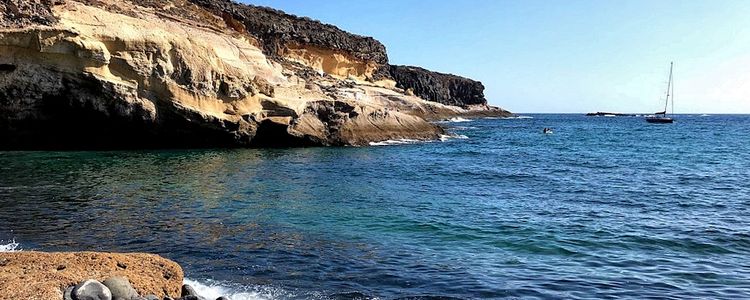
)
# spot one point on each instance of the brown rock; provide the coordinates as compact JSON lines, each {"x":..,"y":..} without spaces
{"x":122,"y":74}
{"x":35,"y":275}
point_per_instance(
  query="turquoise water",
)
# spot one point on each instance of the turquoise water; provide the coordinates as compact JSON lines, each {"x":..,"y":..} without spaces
{"x":602,"y":208}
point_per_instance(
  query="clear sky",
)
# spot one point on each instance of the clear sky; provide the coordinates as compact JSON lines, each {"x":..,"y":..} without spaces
{"x":564,"y":56}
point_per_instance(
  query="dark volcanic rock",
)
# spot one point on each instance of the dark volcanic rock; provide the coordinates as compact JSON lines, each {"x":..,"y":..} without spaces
{"x":438,"y":87}
{"x":277,"y":29}
{"x":188,"y":290}
{"x":26,"y":12}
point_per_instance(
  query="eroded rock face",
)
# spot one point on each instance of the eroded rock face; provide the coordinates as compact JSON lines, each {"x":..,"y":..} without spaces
{"x":41,"y":275}
{"x":442,"y":88}
{"x":173,"y":73}
{"x":277,"y":30}
{"x":26,"y":12}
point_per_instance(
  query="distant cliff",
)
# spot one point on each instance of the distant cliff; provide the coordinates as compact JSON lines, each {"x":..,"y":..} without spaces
{"x":195,"y":73}
{"x":442,"y":88}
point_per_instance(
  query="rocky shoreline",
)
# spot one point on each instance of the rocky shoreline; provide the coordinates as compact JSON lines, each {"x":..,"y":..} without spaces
{"x":47,"y":275}
{"x":92,"y":276}
{"x":104,"y":74}
{"x":120,"y":288}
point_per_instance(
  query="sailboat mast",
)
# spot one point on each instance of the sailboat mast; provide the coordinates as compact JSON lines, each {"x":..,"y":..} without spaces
{"x":669,"y":86}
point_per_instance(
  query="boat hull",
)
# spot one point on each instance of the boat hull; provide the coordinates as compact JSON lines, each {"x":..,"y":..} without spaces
{"x":660,"y":120}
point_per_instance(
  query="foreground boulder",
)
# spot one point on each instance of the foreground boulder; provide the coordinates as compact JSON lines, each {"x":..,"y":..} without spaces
{"x":91,"y":290}
{"x":46,"y":276}
{"x":121,"y":288}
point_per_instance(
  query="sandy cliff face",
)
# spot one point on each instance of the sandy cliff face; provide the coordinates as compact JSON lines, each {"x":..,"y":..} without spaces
{"x":173,"y":73}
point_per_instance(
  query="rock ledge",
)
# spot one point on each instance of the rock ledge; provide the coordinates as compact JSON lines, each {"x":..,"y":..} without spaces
{"x":45,"y":276}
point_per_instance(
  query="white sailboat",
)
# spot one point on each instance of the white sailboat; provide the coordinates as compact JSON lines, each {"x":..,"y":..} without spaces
{"x":661,"y":117}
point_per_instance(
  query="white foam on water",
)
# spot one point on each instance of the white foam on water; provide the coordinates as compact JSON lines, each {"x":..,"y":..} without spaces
{"x":213,"y":290}
{"x":455,"y":120}
{"x":395,"y":142}
{"x":446,"y":137}
{"x":459,"y":120}
{"x":509,"y":118}
{"x":443,"y":138}
{"x":12,"y":246}
{"x":464,"y":127}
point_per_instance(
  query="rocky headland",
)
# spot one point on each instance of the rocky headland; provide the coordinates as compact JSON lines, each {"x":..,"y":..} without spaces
{"x":207,"y":73}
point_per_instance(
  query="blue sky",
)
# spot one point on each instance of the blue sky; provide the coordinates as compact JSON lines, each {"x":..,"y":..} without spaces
{"x":564,"y":56}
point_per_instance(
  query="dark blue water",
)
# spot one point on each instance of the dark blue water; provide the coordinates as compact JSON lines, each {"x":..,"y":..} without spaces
{"x":602,"y":208}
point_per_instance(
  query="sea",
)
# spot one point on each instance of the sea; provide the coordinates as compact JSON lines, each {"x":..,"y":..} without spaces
{"x":602,"y":208}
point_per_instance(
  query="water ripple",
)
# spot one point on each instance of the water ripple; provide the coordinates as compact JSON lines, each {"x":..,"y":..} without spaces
{"x":604,"y":208}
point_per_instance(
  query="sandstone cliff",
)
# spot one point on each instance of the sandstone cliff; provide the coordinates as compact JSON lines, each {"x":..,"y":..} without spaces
{"x":187,"y":73}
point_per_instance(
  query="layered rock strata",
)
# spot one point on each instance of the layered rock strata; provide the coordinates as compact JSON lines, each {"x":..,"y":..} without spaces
{"x":204,"y":73}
